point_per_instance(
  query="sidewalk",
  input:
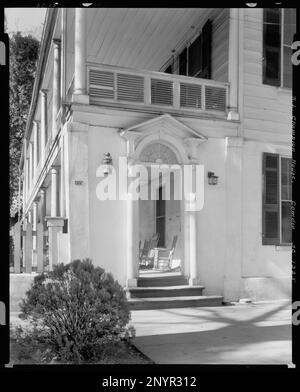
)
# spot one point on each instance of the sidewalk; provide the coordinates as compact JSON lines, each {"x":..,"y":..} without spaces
{"x":256,"y":333}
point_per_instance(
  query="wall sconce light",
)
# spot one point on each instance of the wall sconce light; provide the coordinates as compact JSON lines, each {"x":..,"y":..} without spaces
{"x":106,"y":163}
{"x":212,"y":179}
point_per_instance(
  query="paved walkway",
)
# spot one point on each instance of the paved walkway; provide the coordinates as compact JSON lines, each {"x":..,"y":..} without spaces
{"x":256,"y":333}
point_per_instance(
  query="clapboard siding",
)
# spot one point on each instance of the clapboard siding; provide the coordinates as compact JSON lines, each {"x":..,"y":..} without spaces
{"x":266,"y":109}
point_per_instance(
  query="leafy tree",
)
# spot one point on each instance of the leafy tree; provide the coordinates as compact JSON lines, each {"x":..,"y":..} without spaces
{"x":23,"y":59}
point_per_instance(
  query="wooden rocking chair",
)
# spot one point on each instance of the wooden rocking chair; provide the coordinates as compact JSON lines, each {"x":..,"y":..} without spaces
{"x":147,"y":252}
{"x":163,"y":257}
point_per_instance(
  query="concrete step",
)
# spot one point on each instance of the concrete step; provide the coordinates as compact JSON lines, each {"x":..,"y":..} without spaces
{"x":162,"y":281}
{"x":165,"y":291}
{"x":174,"y":302}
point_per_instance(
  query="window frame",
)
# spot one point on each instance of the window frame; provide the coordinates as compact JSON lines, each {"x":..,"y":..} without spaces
{"x":265,"y":80}
{"x":281,"y":243}
{"x":186,"y":48}
{"x":274,"y":241}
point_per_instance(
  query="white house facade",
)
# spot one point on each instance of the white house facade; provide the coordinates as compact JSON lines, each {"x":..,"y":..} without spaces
{"x":201,"y":87}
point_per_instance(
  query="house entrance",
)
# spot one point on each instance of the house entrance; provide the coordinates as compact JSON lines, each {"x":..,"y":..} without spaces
{"x":160,"y":234}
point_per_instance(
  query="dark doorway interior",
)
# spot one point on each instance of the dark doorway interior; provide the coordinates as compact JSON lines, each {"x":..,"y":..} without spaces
{"x":161,"y":218}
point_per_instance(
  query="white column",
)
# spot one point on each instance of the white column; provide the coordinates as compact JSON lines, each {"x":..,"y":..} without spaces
{"x":192,"y":247}
{"x":25,"y":175}
{"x":233,"y":63}
{"x":30,"y":166}
{"x":42,"y":195}
{"x":132,"y":240}
{"x":35,"y":146}
{"x":233,"y":253}
{"x":42,"y":218}
{"x":80,"y":52}
{"x":190,"y":236}
{"x":63,"y":54}
{"x":62,"y":201}
{"x":54,"y":189}
{"x":27,"y":183}
{"x":54,"y":222}
{"x":43,"y":123}
{"x":56,"y":85}
{"x":34,"y":225}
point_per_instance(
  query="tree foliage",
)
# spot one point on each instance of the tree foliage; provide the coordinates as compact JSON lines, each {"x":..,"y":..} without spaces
{"x":23,"y":59}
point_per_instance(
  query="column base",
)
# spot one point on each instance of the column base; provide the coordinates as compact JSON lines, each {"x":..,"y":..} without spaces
{"x":194,"y":282}
{"x":233,"y":115}
{"x":54,"y":221}
{"x":132,"y":282}
{"x":81,"y":98}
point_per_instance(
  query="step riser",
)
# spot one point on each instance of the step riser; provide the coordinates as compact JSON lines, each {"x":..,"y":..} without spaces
{"x":156,"y":282}
{"x":165,"y":293}
{"x":175,"y":304}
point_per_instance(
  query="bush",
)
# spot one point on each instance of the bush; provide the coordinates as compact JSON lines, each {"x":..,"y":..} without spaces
{"x":78,"y":311}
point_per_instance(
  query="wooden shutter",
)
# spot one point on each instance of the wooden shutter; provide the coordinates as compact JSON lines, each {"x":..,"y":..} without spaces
{"x":271,"y":46}
{"x":183,"y":62}
{"x":271,"y":202}
{"x":169,"y":69}
{"x":195,"y":63}
{"x":206,"y":50}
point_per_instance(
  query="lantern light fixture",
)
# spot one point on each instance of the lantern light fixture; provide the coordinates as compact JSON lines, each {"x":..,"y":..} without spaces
{"x":212,"y":178}
{"x":106,"y":163}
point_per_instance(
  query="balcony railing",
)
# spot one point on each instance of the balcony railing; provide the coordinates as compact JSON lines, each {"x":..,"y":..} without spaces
{"x":155,"y":89}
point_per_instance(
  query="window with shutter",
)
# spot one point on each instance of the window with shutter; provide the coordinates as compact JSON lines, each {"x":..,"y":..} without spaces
{"x":279,"y":27}
{"x":277,"y":200}
{"x":199,"y":54}
{"x":289,"y":29}
{"x":195,"y":60}
{"x":271,"y":46}
{"x":169,"y":69}
{"x":271,"y":199}
{"x":195,"y":65}
{"x":206,"y":50}
{"x":183,"y":62}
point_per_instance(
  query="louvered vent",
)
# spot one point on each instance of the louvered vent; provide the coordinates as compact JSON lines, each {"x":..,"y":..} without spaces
{"x":130,"y":88}
{"x":190,"y":95}
{"x":101,"y":84}
{"x":215,"y":98}
{"x":161,"y":92}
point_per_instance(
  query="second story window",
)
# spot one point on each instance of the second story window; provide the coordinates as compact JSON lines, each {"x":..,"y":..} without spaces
{"x":195,"y":59}
{"x":279,"y":26}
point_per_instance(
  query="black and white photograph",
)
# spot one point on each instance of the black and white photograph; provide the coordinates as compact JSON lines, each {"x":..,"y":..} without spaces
{"x":151,"y":186}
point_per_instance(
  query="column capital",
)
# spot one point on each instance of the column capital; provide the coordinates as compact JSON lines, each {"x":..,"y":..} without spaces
{"x":56,"y":41}
{"x":44,"y":91}
{"x":54,"y":168}
{"x":234,"y":141}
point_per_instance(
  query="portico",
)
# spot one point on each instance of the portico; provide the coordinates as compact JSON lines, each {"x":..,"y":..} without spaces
{"x":167,"y":145}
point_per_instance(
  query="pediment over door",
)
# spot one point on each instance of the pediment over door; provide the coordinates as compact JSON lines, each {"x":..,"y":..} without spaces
{"x":163,"y":130}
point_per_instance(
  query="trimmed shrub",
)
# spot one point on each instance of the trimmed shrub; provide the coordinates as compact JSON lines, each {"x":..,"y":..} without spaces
{"x":78,"y":311}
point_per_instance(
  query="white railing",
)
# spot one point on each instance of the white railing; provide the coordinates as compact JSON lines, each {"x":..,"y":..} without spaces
{"x":108,"y":83}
